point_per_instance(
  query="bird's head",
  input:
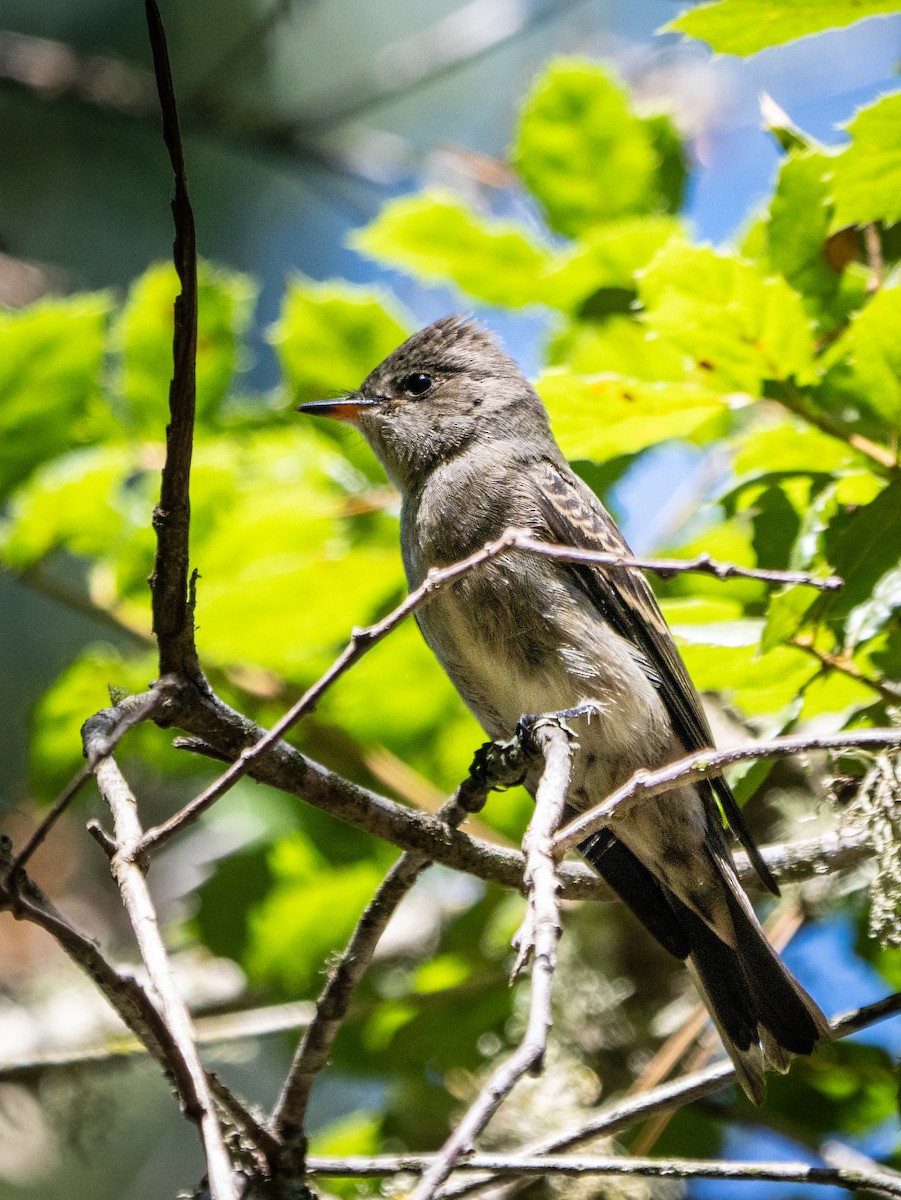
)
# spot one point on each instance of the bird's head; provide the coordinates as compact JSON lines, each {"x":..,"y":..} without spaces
{"x":445,"y":387}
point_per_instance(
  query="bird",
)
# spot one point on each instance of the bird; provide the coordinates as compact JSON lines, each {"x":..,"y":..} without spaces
{"x":467,"y":441}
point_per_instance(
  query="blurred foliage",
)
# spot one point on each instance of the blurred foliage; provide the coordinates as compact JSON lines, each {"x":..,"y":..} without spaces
{"x":778,"y":362}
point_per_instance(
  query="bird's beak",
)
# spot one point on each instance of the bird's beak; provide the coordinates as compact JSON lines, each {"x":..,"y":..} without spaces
{"x":345,"y":408}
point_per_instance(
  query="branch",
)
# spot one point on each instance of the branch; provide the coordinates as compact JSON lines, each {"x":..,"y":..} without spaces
{"x":226,"y":731}
{"x":211,"y":1030}
{"x":540,"y":932}
{"x":622,"y":1114}
{"x":703,"y":764}
{"x":197,"y":1097}
{"x":362,"y":640}
{"x":130,"y":713}
{"x":172,"y":614}
{"x":490,"y":769}
{"x":884,"y":1183}
{"x":703,"y":564}
{"x":793,"y":399}
{"x":889,"y":691}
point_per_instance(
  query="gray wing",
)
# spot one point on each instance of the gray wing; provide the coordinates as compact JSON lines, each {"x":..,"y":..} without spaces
{"x":575,"y":517}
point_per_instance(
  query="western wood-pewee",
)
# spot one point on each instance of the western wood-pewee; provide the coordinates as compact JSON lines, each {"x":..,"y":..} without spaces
{"x":466,"y":439}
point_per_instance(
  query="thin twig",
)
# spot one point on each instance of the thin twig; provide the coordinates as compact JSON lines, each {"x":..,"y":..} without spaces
{"x":619,"y":1115}
{"x":539,"y":936}
{"x":488,"y":771}
{"x":512,"y":1166}
{"x":172,"y":615}
{"x":198,"y":1099}
{"x":703,"y":564}
{"x":703,"y":764}
{"x":120,"y":1049}
{"x":138,"y":709}
{"x":793,"y":399}
{"x":888,"y":690}
{"x":362,"y":640}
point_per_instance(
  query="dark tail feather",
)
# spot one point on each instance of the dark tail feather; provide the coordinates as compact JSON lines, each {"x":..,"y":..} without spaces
{"x":750,"y":994}
{"x":634,"y":883}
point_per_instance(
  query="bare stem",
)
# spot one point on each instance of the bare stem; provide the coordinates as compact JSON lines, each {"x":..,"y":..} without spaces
{"x":849,"y":1179}
{"x":197,"y":1097}
{"x":622,"y":1114}
{"x":702,"y":765}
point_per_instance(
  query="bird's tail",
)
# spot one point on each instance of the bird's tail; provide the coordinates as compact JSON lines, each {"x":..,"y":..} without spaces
{"x":761,"y":1011}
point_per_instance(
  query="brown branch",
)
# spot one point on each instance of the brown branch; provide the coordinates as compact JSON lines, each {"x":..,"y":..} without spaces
{"x":511,"y":1166}
{"x":198,"y":1103}
{"x":362,"y":640}
{"x":540,"y":933}
{"x":702,"y":765}
{"x":622,"y":1114}
{"x":226,"y":731}
{"x":173,"y":621}
{"x":489,"y":770}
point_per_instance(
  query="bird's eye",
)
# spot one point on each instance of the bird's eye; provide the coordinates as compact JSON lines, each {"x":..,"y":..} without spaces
{"x":417,"y":384}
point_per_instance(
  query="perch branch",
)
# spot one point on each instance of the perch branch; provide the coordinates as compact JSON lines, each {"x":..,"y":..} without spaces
{"x":849,"y":1179}
{"x":537,"y":938}
{"x":364,"y":639}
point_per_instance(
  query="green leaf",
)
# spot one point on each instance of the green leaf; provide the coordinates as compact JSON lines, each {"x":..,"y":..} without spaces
{"x":606,"y":259}
{"x":289,"y":940}
{"x":756,"y":684}
{"x":788,"y":446}
{"x":866,"y":177}
{"x":619,"y":345}
{"x":602,"y":416}
{"x":329,"y":336}
{"x":90,"y":502}
{"x":786,"y":613}
{"x":276,"y":551}
{"x":436,"y":238}
{"x":865,"y":362}
{"x":746,"y":26}
{"x":863,"y":545}
{"x":50,"y":360}
{"x":585,"y":155}
{"x":798,"y":229}
{"x":225,"y":303}
{"x":740,"y":328}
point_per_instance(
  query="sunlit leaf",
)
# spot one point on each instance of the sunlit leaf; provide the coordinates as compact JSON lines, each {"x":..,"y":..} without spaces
{"x":438,"y":239}
{"x":746,"y":26}
{"x":602,"y":416}
{"x":50,"y":360}
{"x":224,"y":308}
{"x":866,"y":177}
{"x":740,"y":328}
{"x":585,"y":155}
{"x":329,"y":336}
